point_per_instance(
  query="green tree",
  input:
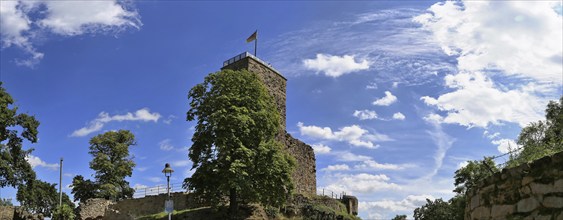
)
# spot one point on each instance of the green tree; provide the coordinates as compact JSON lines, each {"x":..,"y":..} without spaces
{"x":541,"y":138}
{"x":83,"y":189}
{"x":112,"y":164}
{"x":474,"y":172}
{"x":400,"y":217}
{"x":440,"y":209}
{"x":64,"y":212}
{"x":234,"y":150}
{"x":14,"y":128}
{"x":40,"y":197}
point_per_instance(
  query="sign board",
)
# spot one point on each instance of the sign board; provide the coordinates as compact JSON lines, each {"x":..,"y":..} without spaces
{"x":168,"y":206}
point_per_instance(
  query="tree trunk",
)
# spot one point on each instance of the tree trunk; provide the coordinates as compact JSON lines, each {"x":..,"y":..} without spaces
{"x":233,"y":203}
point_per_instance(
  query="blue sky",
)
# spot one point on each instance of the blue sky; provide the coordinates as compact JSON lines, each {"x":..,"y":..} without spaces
{"x":393,"y":96}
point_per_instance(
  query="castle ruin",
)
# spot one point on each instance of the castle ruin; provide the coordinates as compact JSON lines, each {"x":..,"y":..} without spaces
{"x":304,"y":175}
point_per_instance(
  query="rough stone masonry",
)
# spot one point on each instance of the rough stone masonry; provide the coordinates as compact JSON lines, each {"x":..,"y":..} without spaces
{"x":529,"y":191}
{"x":304,"y":176}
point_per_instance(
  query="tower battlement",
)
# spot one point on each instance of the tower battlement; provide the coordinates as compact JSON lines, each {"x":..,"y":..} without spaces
{"x":274,"y":80}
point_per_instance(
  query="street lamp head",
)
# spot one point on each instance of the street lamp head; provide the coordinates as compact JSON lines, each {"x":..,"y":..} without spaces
{"x":167,"y":170}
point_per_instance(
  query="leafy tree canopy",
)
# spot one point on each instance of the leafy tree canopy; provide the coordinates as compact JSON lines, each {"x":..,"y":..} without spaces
{"x":234,"y":149}
{"x":400,"y":217}
{"x":440,"y":209}
{"x":64,"y":212}
{"x":112,"y":164}
{"x":14,"y":128}
{"x":40,"y":197}
{"x":474,"y":172}
{"x":541,"y":138}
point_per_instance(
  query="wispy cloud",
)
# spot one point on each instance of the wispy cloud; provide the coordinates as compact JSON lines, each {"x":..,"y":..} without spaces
{"x":165,"y":145}
{"x":103,"y":118}
{"x":19,"y":26}
{"x":396,"y":51}
{"x":443,"y":142}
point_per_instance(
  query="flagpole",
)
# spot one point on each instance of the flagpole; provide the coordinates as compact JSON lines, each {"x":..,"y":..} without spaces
{"x":255,"y":45}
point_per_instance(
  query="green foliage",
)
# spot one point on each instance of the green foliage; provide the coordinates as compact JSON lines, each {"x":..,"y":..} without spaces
{"x":400,"y":217}
{"x":14,"y":128}
{"x":234,"y":149}
{"x":440,"y":209}
{"x":6,"y":202}
{"x":64,"y":212}
{"x":40,"y":197}
{"x":476,"y":171}
{"x":84,"y":189}
{"x":541,"y":138}
{"x":112,"y":164}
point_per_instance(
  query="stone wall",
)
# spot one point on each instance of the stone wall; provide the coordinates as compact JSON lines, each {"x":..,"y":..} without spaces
{"x":304,"y":176}
{"x":529,"y":191}
{"x":6,"y":212}
{"x":17,"y":213}
{"x":134,"y":208}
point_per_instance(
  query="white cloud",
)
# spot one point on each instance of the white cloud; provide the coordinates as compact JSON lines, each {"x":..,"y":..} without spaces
{"x":387,"y":100}
{"x":165,"y":145}
{"x":139,"y":186}
{"x":321,"y":149}
{"x":490,"y":136}
{"x":395,"y":85}
{"x":410,"y":203}
{"x":349,"y":157}
{"x":443,"y":142}
{"x":37,"y":162}
{"x":335,"y":66}
{"x":97,"y":124}
{"x":462,"y":164}
{"x":520,"y":38}
{"x":181,"y":163}
{"x":141,"y":169}
{"x":79,"y":17}
{"x":354,"y":135}
{"x":516,"y":41}
{"x":66,"y":18}
{"x":399,"y":116}
{"x":477,"y":102}
{"x":505,"y":145}
{"x":365,"y":114}
{"x":357,"y":184}
{"x":337,"y":167}
{"x":371,"y":85}
{"x":373,"y":165}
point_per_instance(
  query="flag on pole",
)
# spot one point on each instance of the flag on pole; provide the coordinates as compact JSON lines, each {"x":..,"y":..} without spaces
{"x":252,"y":37}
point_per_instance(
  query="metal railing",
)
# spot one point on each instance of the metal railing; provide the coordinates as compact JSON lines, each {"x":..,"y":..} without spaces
{"x":331,"y":194}
{"x":157,"y":190}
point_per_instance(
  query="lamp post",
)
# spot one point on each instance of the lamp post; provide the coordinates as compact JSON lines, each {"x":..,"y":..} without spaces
{"x":168,"y":205}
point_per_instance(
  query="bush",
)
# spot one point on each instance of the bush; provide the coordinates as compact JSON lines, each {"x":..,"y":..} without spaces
{"x":63,"y":212}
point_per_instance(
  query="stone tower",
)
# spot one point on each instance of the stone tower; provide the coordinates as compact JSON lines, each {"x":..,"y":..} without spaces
{"x":304,"y":175}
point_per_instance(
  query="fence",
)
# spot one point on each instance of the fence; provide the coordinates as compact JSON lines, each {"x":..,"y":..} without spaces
{"x":156,"y":190}
{"x":331,"y":194}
